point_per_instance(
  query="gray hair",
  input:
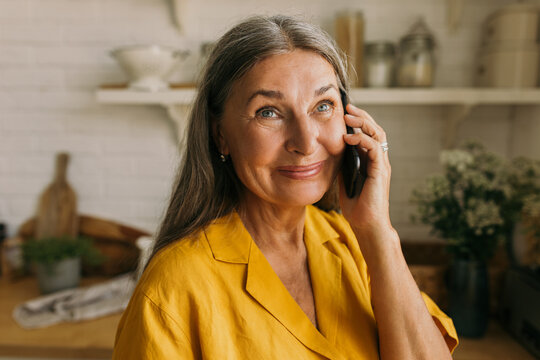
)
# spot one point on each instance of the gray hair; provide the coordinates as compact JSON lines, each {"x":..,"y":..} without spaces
{"x":206,"y":188}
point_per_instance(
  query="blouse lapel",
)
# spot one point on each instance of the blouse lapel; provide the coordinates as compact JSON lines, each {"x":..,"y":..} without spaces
{"x":266,"y":287}
{"x":325,"y":271}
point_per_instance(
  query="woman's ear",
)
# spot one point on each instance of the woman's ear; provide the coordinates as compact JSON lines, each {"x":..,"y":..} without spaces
{"x":219,"y":139}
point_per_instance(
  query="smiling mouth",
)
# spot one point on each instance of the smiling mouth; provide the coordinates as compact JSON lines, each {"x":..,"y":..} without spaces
{"x":301,"y":172}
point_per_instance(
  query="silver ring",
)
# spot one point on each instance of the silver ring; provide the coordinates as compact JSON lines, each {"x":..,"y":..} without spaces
{"x":384,"y":146}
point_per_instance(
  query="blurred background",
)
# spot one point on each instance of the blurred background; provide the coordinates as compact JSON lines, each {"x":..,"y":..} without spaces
{"x":109,"y":84}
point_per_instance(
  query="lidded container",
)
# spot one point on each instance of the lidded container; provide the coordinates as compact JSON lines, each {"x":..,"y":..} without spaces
{"x":380,"y":58}
{"x":513,"y":22}
{"x":416,"y":61}
{"x":508,"y":64}
{"x":509,"y":55}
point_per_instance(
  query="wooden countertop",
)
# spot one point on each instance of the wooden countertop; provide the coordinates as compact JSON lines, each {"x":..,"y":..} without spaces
{"x":89,"y":339}
{"x":94,"y":339}
{"x":497,"y":344}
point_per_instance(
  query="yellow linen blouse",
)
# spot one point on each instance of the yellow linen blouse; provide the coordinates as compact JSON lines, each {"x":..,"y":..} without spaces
{"x":215,"y":296}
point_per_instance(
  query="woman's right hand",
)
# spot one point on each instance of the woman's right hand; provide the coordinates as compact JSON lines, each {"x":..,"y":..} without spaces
{"x":368,"y":213}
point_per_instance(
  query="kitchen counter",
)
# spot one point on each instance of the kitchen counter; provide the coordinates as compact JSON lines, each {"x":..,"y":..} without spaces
{"x":496,"y":345}
{"x":85,"y":340}
{"x":94,"y":339}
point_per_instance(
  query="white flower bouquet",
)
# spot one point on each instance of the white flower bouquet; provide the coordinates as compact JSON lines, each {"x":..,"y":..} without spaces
{"x":467,"y":204}
{"x":531,"y":220}
{"x":524,"y":205}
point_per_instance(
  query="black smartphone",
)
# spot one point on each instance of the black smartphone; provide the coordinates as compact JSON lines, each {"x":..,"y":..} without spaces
{"x":354,"y":163}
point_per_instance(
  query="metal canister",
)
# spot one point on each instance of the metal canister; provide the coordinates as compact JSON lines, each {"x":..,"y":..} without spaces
{"x":379,"y":64}
{"x":416,"y":61}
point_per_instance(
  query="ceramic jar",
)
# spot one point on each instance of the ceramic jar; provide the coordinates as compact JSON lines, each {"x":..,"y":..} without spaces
{"x":379,"y":64}
{"x":416,"y":61}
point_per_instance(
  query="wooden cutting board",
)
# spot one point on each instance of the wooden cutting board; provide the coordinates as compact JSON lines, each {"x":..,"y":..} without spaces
{"x":57,"y":208}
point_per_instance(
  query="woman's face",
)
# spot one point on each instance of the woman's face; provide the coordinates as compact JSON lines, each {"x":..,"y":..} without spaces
{"x":283,"y":128}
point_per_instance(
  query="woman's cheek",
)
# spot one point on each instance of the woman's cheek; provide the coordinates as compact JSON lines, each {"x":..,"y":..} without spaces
{"x":333,"y":137}
{"x":260,"y":146}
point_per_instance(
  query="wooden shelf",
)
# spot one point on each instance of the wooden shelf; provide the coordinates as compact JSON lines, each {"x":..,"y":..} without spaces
{"x":445,"y":96}
{"x":391,"y":96}
{"x":460,"y":101}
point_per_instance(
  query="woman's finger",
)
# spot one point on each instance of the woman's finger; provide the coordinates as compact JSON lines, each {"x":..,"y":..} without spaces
{"x":359,"y":118}
{"x":356,"y":111}
{"x":372,"y":146}
{"x":363,"y":124}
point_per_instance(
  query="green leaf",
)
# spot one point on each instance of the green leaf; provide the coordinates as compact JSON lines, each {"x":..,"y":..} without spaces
{"x":54,"y":249}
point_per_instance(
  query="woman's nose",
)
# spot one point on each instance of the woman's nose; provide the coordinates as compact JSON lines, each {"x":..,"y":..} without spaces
{"x":302,"y":135}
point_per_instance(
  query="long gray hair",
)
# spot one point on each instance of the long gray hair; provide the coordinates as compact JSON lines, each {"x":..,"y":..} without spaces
{"x":206,"y":188}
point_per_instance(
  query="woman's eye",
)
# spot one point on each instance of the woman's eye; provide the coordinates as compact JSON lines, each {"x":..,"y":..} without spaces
{"x":324,"y":107}
{"x":266,"y":113}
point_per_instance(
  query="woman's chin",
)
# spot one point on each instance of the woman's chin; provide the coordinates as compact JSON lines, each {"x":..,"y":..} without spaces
{"x":301,"y":197}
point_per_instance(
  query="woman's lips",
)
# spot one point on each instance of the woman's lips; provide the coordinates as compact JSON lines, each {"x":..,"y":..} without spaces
{"x":301,"y":172}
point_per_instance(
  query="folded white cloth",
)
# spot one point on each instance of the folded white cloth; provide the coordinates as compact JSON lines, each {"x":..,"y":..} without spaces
{"x":78,"y":304}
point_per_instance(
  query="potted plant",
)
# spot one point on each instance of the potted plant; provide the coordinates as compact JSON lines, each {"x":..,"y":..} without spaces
{"x":57,"y":260}
{"x":465,"y":206}
{"x":521,"y":210}
{"x":531,"y":220}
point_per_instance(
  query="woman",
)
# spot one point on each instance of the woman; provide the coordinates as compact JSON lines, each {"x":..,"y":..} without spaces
{"x":244,"y":266}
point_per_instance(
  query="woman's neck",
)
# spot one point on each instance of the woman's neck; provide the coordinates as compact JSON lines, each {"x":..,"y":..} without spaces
{"x":272,"y":226}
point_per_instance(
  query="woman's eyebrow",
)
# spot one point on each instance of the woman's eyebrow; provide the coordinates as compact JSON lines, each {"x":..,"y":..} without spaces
{"x":267,"y":93}
{"x":324,"y":89}
{"x":274,"y":94}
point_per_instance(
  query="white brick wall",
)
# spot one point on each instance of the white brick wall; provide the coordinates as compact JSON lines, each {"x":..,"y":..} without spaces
{"x":54,"y":53}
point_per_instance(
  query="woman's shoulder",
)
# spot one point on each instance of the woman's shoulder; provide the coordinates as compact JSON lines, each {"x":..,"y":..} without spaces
{"x":186,"y":261}
{"x":180,"y":252}
{"x":175,"y":265}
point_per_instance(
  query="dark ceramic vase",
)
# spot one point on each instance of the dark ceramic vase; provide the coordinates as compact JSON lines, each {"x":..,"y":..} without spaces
{"x":468,"y":297}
